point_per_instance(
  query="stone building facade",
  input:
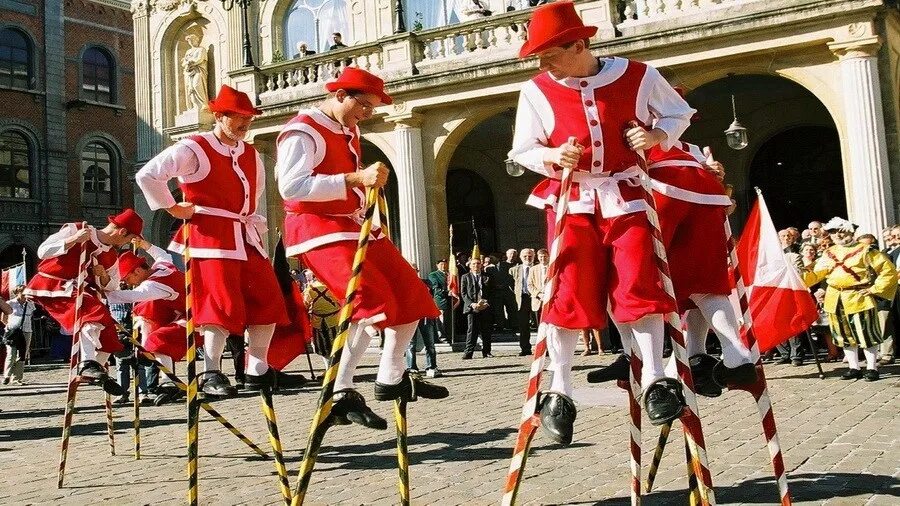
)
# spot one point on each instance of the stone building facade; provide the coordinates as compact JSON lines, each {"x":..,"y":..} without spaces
{"x":815,"y":82}
{"x":67,"y":125}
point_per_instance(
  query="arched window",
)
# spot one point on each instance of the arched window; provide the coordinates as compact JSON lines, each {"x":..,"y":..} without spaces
{"x":15,"y":59}
{"x":99,"y":166}
{"x":425,"y":14}
{"x":16,"y":161}
{"x":97,"y":76}
{"x":313,"y":22}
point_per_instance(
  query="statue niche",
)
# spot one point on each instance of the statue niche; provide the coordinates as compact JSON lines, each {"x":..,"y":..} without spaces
{"x":192,"y":93}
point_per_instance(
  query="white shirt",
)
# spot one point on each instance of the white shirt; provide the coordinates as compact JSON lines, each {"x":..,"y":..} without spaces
{"x":21,"y":315}
{"x":299,"y":152}
{"x":149,"y":289}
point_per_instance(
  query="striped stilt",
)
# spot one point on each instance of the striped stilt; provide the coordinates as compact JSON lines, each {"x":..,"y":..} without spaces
{"x":275,"y":440}
{"x":530,"y":419}
{"x":193,"y":414}
{"x":72,"y":388}
{"x":634,"y":413}
{"x":110,"y":428}
{"x":322,"y":420}
{"x":402,"y":451}
{"x":137,"y":410}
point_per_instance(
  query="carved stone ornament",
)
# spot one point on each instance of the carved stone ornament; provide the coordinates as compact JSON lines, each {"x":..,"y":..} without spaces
{"x":171,"y":5}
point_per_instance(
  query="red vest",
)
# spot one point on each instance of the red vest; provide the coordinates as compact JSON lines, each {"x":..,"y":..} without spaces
{"x":678,"y":174}
{"x":164,"y":311}
{"x":231,"y":186}
{"x":311,"y":224}
{"x":56,"y":276}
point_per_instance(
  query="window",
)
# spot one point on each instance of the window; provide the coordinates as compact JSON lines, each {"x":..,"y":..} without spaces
{"x":313,"y":22}
{"x":98,"y":170}
{"x":16,"y":160}
{"x":15,"y":59}
{"x":97,"y":76}
{"x":425,"y":14}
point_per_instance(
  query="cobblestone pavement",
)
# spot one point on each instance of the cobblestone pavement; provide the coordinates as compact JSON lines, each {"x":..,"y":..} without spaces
{"x":837,"y":436}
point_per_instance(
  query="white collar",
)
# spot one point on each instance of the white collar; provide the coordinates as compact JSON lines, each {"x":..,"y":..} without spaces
{"x":328,"y":122}
{"x":220,"y":147}
{"x":612,"y":69}
{"x":101,"y":247}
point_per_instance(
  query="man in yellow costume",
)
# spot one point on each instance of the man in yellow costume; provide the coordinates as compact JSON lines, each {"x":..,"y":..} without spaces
{"x":856,"y":276}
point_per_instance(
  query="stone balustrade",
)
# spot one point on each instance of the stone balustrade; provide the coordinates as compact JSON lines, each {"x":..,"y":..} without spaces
{"x":492,"y":37}
{"x":644,"y":11}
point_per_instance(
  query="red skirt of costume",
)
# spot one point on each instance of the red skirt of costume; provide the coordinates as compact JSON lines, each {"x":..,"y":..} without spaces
{"x":694,"y":237}
{"x":600,"y":260}
{"x":170,"y":340}
{"x":390,"y":291}
{"x":236,"y":293}
{"x":62,"y":309}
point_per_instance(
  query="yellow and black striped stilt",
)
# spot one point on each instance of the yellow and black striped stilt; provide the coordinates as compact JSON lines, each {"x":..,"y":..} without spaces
{"x":205,"y":405}
{"x":137,"y":410}
{"x":693,"y":487}
{"x":275,"y":440}
{"x":402,"y":452}
{"x":322,"y":420}
{"x":657,"y":456}
{"x":110,"y":429}
{"x":193,"y":415}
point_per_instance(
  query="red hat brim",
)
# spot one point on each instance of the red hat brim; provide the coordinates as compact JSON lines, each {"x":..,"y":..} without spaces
{"x":532,"y":46}
{"x":112,"y":219}
{"x":337,"y":85}
{"x":253,"y":111}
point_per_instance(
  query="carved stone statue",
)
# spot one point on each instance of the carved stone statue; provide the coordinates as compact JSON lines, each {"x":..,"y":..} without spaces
{"x":194,"y":66}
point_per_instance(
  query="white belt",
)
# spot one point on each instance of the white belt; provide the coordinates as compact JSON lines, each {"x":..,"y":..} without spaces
{"x":254,"y":224}
{"x":51,"y":276}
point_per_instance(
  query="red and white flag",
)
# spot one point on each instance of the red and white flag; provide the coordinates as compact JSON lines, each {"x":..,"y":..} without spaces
{"x":10,"y":279}
{"x":780,"y":303}
{"x":452,"y":273}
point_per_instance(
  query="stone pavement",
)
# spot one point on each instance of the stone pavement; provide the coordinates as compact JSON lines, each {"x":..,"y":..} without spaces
{"x":837,"y":437}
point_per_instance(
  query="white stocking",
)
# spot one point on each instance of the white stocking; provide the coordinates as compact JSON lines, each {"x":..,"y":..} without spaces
{"x":257,"y":352}
{"x":393,"y":362}
{"x":90,"y":340}
{"x":648,"y":334}
{"x":214,"y":338}
{"x":165,"y":361}
{"x":354,"y":348}
{"x":561,"y":346}
{"x":851,"y":354}
{"x":871,"y":355}
{"x":719,"y":312}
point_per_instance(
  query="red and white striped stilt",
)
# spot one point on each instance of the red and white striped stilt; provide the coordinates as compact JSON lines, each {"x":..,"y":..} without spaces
{"x":634,"y":412}
{"x":531,"y":420}
{"x":690,"y":417}
{"x":760,"y":389}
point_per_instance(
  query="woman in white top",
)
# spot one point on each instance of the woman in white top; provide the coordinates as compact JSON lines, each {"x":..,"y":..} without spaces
{"x":16,"y":314}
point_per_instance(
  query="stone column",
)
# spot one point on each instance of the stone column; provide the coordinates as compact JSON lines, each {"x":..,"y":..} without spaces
{"x":143,"y":103}
{"x":414,"y":239}
{"x":870,"y":197}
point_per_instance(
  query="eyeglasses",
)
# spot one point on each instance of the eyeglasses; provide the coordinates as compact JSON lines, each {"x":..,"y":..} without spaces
{"x":366,"y":106}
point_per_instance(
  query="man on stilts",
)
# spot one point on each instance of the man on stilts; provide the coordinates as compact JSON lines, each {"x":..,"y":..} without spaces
{"x":54,"y":289}
{"x":322,"y":181}
{"x":159,"y":302}
{"x":606,"y":254}
{"x":234,"y":286}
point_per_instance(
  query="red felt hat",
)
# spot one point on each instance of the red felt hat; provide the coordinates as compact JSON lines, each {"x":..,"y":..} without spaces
{"x":234,"y":101}
{"x":129,"y":220}
{"x":357,"y":79}
{"x":554,"y":24}
{"x":128,"y":262}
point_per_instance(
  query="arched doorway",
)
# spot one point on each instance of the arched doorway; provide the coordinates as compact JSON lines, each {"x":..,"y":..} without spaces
{"x":799,"y":171}
{"x":470,"y":208}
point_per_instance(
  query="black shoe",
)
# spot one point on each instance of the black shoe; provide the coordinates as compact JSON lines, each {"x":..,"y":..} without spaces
{"x":350,"y":406}
{"x":784,"y":361}
{"x":91,"y":370}
{"x":215,"y":384}
{"x":486,"y":355}
{"x":617,"y":371}
{"x":289,"y":381}
{"x":797,"y":362}
{"x":111,"y":387}
{"x":852,"y":374}
{"x":664,"y":401}
{"x":558,"y":417}
{"x":467,"y":356}
{"x":525,"y":353}
{"x":409,"y":388}
{"x":254,"y":383}
{"x":122,"y":400}
{"x":871,"y":375}
{"x":742,"y":375}
{"x":167,"y":392}
{"x":238,"y":385}
{"x":703,"y":367}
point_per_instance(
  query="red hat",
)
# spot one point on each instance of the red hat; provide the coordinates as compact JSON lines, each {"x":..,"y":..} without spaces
{"x":552,"y":25}
{"x":357,"y":79}
{"x":129,"y":220}
{"x":232,"y":100}
{"x":128,"y":262}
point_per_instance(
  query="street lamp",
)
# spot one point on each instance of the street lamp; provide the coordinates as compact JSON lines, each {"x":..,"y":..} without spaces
{"x":399,"y":23}
{"x":512,"y":168}
{"x":736,"y":135}
{"x":245,"y":29}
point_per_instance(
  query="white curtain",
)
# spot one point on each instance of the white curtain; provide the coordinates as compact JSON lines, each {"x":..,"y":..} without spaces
{"x":430,"y":13}
{"x":313,"y":22}
{"x":332,"y":18}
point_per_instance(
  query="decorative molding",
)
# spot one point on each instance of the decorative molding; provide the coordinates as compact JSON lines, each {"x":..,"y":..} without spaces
{"x":408,"y":120}
{"x":860,"y":48}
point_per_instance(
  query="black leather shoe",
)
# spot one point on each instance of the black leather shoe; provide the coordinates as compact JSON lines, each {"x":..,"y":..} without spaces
{"x":851,"y":374}
{"x":409,"y":388}
{"x":524,"y":353}
{"x":486,"y":355}
{"x":617,"y":371}
{"x":742,"y":375}
{"x":289,"y":381}
{"x":167,"y":392}
{"x":265,"y":381}
{"x":111,"y":387}
{"x":350,"y":406}
{"x":467,"y":356}
{"x":215,"y":384}
{"x":702,"y":369}
{"x":784,"y":361}
{"x":558,"y":417}
{"x":664,"y":401}
{"x":871,"y":375}
{"x":91,"y":370}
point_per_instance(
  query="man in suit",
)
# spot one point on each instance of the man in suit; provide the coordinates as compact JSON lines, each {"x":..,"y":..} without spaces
{"x":519,"y":274}
{"x":536,"y":279}
{"x":506,"y":291}
{"x":476,"y":287}
{"x":437,"y":281}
